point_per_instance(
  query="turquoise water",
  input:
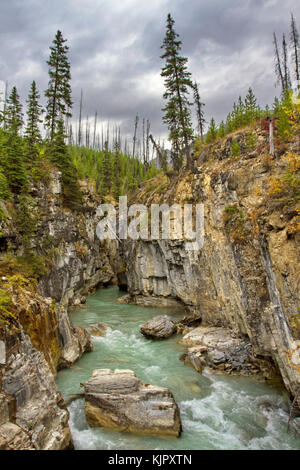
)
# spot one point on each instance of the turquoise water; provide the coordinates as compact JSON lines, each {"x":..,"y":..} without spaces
{"x":217,"y":411}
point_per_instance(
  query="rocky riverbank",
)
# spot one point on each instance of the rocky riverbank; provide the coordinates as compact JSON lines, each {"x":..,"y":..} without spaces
{"x":37,"y":337}
{"x":246,"y":276}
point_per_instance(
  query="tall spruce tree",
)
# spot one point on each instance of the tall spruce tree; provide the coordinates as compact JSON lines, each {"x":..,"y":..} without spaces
{"x":212,"y":132}
{"x":14,"y":115}
{"x":199,"y":110}
{"x":252,"y":110}
{"x":34,"y":112}
{"x":60,"y":156}
{"x":294,"y":39}
{"x":177,"y":82}
{"x":59,"y":87}
{"x":14,"y":167}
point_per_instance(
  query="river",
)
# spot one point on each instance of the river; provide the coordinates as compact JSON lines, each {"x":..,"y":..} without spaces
{"x":217,"y":411}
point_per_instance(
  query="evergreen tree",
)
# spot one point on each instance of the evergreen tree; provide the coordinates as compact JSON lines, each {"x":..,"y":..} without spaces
{"x":32,"y":131}
{"x":106,"y":171}
{"x":221,"y":131}
{"x":294,"y":38}
{"x":199,"y":110}
{"x":59,"y":88}
{"x":14,"y":115}
{"x":212,"y":132}
{"x":13,"y":164}
{"x":252,"y":110}
{"x":177,"y":81}
{"x":60,"y":156}
{"x":229,"y":124}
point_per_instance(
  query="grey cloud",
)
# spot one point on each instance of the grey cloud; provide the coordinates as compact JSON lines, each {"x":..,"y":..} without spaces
{"x":115,"y":48}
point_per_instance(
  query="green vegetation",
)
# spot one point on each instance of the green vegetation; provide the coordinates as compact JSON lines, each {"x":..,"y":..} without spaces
{"x":235,"y":149}
{"x":177,"y":82}
{"x":234,"y":223}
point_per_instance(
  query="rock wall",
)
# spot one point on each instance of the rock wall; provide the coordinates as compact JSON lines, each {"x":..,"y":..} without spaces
{"x":40,"y":338}
{"x":32,"y":411}
{"x":246,"y":277}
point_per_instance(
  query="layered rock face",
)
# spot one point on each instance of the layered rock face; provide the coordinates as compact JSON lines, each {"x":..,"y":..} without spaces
{"x":81,"y":263}
{"x":41,"y":339}
{"x":32,"y":411}
{"x":118,"y":400}
{"x":246,"y":276}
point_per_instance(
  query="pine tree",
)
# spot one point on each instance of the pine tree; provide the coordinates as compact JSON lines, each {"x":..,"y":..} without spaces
{"x":294,"y":39}
{"x":212,"y":132}
{"x":177,"y":81}
{"x":59,"y":155}
{"x":15,"y":171}
{"x":229,"y":124}
{"x":221,"y":131}
{"x":34,"y":112}
{"x":106,"y":171}
{"x":59,"y":88}
{"x":199,"y":110}
{"x":14,"y":115}
{"x":252,"y":110}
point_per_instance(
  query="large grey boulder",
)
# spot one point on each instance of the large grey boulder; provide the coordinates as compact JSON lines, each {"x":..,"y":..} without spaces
{"x":118,"y":400}
{"x":159,"y":327}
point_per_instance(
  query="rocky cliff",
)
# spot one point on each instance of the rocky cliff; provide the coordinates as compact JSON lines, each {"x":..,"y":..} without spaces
{"x":36,"y":335}
{"x":246,"y":276}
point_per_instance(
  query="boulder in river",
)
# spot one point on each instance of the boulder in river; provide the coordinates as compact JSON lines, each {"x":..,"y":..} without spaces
{"x":118,"y":400}
{"x":160,"y":327}
{"x":98,"y":330}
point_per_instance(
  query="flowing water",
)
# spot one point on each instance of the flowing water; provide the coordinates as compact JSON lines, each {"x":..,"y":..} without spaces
{"x":217,"y":411}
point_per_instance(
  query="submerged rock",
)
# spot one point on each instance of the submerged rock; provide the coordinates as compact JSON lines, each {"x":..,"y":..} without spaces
{"x":98,"y":330}
{"x":160,"y":327}
{"x":118,"y":400}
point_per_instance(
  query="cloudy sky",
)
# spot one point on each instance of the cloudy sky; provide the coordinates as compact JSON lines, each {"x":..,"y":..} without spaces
{"x":115,"y":51}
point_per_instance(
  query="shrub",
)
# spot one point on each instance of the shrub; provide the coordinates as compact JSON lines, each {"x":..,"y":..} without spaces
{"x":235,"y":149}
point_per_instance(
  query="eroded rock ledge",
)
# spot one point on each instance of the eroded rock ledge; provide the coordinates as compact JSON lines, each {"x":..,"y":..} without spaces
{"x":118,"y":400}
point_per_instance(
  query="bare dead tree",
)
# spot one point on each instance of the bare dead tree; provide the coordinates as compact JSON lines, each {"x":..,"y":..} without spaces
{"x":87,"y":132}
{"x":95,"y":130}
{"x":294,"y":39}
{"x":287,"y":80}
{"x":135,"y":133}
{"x":199,"y":110}
{"x":146,"y":162}
{"x":278,"y":68}
{"x":162,"y":159}
{"x":80,"y":119}
{"x":144,"y":143}
{"x":70,"y":135}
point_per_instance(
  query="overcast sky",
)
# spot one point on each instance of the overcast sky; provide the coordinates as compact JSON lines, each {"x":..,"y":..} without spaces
{"x":115,"y":51}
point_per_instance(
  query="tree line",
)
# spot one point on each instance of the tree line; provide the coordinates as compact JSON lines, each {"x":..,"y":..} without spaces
{"x":26,"y":155}
{"x":179,"y":87}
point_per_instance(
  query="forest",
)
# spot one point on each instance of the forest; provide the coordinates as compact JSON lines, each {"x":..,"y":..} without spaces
{"x":43,"y":139}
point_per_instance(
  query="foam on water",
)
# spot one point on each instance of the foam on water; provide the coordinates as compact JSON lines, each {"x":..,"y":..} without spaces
{"x":218,"y":412}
